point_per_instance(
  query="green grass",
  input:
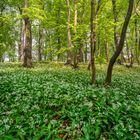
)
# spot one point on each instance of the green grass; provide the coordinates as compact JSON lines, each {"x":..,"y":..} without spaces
{"x":54,"y":102}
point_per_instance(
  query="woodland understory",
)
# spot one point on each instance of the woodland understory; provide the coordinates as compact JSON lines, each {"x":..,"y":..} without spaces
{"x":70,"y":69}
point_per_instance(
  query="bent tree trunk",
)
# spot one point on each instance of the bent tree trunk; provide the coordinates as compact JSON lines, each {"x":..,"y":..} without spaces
{"x":28,"y":41}
{"x":121,"y":44}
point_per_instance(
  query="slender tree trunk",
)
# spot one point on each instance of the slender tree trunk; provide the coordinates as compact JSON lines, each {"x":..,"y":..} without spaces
{"x":123,"y":60}
{"x":40,"y":43}
{"x":136,"y":42}
{"x":69,"y":56}
{"x":139,"y":42}
{"x":81,"y":55}
{"x":94,"y":14}
{"x":58,"y":31}
{"x":81,"y":43}
{"x":139,"y":48}
{"x":80,"y":50}
{"x":128,"y":54}
{"x":121,"y":43}
{"x":75,"y":60}
{"x":28,"y":41}
{"x":20,"y":44}
{"x":93,"y":41}
{"x":132,"y":58}
{"x":86,"y":52}
{"x":99,"y":48}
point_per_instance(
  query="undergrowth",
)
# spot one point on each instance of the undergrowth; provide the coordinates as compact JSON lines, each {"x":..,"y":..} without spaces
{"x":54,"y":102}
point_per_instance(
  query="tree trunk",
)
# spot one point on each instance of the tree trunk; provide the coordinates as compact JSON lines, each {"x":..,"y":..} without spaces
{"x":132,"y":56}
{"x":121,"y":43}
{"x":128,"y":54}
{"x":28,"y":41}
{"x":81,"y":40}
{"x":40,"y":43}
{"x":136,"y":42}
{"x":93,"y":41}
{"x":20,"y":44}
{"x":81,"y":55}
{"x":75,"y":60}
{"x":58,"y":31}
{"x":86,"y":52}
{"x":94,"y":14}
{"x":139,"y":42}
{"x":69,"y":57}
{"x":123,"y":60}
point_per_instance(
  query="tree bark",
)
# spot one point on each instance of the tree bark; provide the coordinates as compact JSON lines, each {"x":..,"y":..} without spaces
{"x":69,"y":57}
{"x":93,"y":41}
{"x":136,"y":42}
{"x":27,"y":60}
{"x":81,"y":55}
{"x":121,"y":44}
{"x":20,"y":44}
{"x":128,"y":52}
{"x":75,"y":60}
{"x":40,"y":43}
{"x":94,"y":14}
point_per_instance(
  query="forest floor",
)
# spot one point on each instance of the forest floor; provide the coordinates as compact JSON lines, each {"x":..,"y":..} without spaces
{"x":53,"y":102}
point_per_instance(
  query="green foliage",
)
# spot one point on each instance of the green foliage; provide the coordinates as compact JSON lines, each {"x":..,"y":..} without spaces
{"x":58,"y":103}
{"x":100,"y":60}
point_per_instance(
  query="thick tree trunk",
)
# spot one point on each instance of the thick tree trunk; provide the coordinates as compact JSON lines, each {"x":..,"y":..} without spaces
{"x":28,"y":41}
{"x":93,"y":41}
{"x":121,"y":43}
